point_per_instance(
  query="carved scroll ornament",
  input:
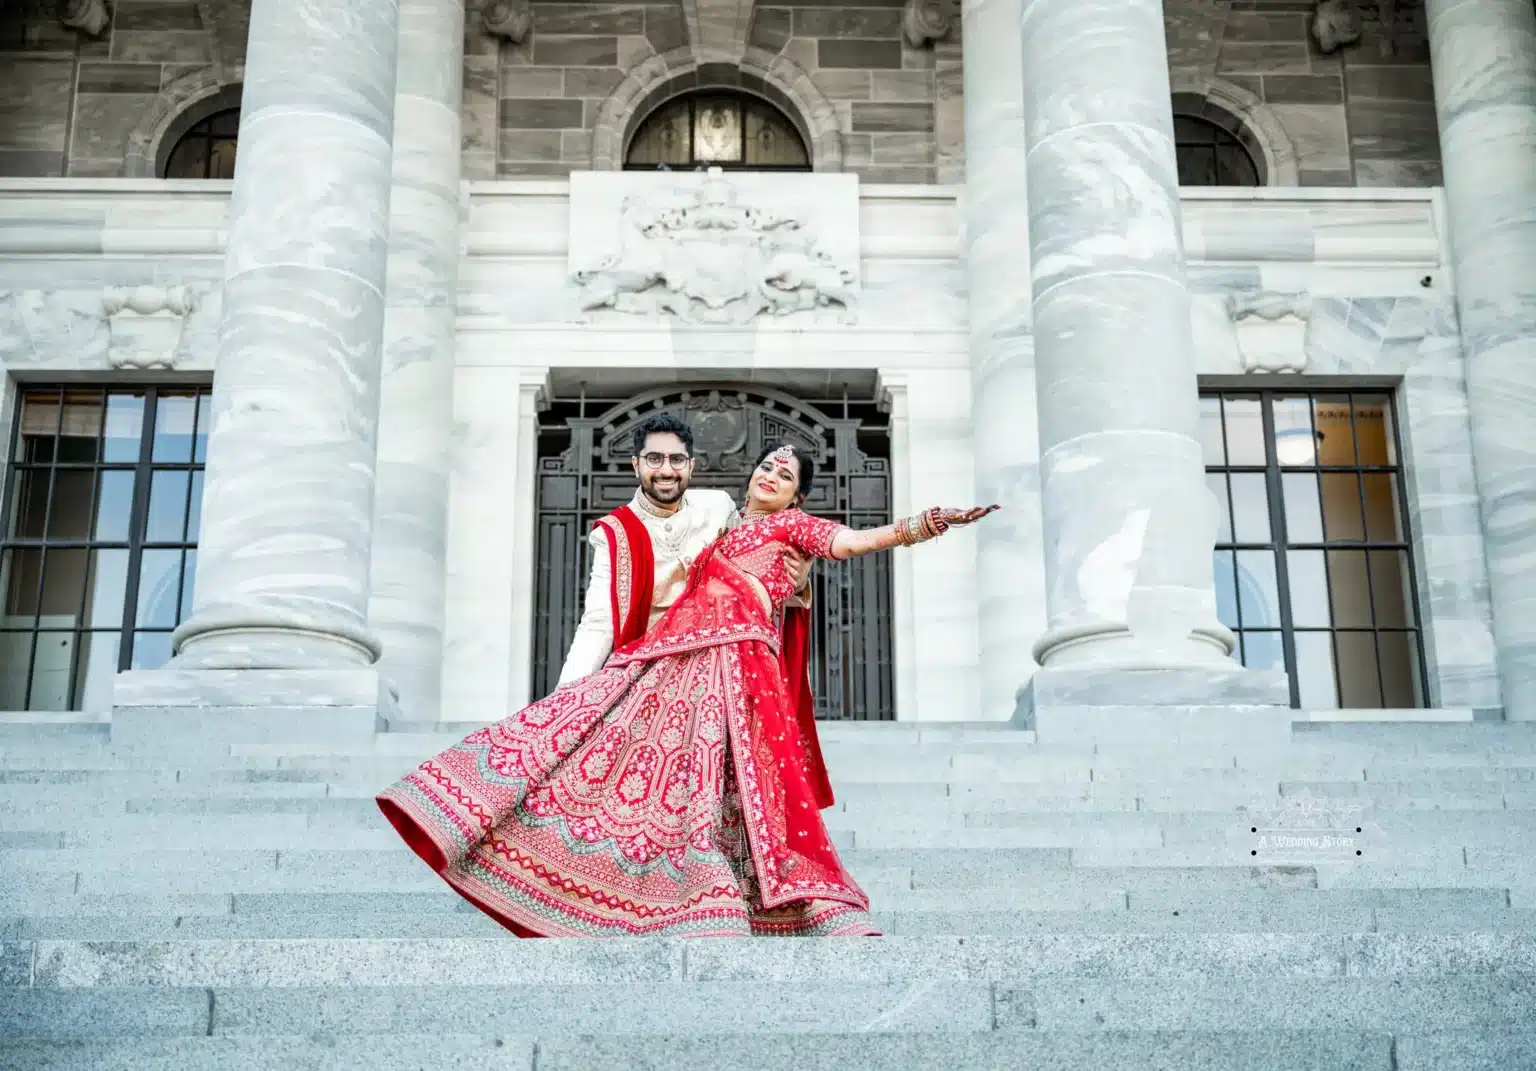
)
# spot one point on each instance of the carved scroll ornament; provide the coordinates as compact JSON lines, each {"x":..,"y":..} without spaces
{"x":90,"y":17}
{"x":508,"y":19}
{"x":712,"y":259}
{"x":923,"y":21}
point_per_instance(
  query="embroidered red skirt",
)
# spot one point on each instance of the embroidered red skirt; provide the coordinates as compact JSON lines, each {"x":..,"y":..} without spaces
{"x":662,"y":796}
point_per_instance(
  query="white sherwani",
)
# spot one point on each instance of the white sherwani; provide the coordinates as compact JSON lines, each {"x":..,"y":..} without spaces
{"x":675,"y":540}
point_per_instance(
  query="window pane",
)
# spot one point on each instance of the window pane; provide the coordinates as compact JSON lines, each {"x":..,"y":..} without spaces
{"x":1381,"y":508}
{"x":1250,"y":507}
{"x":159,"y":589}
{"x":771,"y":141}
{"x":1295,"y":439}
{"x":95,"y":669}
{"x":151,"y":650}
{"x":1373,"y":429}
{"x":663,"y":138}
{"x":167,"y":506}
{"x":70,"y":515}
{"x":189,"y":159}
{"x":188,"y":576}
{"x":1399,"y":654}
{"x":1303,"y":510}
{"x":1263,"y":650}
{"x":1226,"y":589}
{"x":124,"y":426}
{"x":1358,"y":685}
{"x":1308,"y":581}
{"x":1218,"y":485}
{"x":195,"y":508}
{"x":204,"y":423}
{"x":20,"y":571}
{"x":115,"y":505}
{"x":1336,"y":438}
{"x":15,"y":668}
{"x":1245,"y":432}
{"x":1210,"y":431}
{"x":1257,"y":593}
{"x":717,"y":131}
{"x":64,"y":576}
{"x":1341,"y":507}
{"x":29,"y":503}
{"x":221,"y":158}
{"x":1350,"y":587}
{"x":53,"y":664}
{"x":1314,"y":671}
{"x":107,"y":588}
{"x":223,"y":124}
{"x":1390,"y":590}
{"x":175,"y":415}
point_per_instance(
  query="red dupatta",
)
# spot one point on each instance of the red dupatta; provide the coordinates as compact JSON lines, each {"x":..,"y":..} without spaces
{"x":632,"y":571}
{"x":794,"y":660}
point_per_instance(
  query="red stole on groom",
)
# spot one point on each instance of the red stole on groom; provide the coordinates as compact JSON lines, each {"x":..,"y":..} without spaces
{"x":632,"y":563}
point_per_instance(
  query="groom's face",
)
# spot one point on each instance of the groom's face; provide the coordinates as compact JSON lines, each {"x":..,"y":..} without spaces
{"x":664,"y":468}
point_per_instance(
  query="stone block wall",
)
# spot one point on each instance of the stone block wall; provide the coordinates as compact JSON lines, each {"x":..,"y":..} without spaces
{"x":1363,"y":115}
{"x":69,"y":101}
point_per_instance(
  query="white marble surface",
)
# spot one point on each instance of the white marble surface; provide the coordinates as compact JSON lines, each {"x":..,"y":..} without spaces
{"x":283,"y":562}
{"x":1004,"y":414}
{"x":406,"y":604}
{"x":1484,"y":57}
{"x":1128,"y":519}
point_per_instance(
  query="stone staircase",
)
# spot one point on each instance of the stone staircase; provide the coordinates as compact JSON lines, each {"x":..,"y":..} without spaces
{"x":1064,"y":906}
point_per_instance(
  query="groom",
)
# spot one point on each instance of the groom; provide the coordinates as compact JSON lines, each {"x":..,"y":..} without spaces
{"x":641,"y":552}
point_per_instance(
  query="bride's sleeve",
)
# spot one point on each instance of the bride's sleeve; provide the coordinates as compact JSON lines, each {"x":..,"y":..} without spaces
{"x":813,"y":535}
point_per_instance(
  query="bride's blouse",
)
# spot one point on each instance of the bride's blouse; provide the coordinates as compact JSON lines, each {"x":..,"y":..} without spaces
{"x":756,"y":547}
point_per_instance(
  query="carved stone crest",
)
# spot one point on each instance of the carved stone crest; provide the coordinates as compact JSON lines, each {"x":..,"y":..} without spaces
{"x":1277,"y":344}
{"x":145,"y":324}
{"x":708,"y":255}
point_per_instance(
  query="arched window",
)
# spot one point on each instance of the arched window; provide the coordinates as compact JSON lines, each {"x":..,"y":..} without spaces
{"x":207,"y":149}
{"x":710,"y":128}
{"x":1212,"y":155}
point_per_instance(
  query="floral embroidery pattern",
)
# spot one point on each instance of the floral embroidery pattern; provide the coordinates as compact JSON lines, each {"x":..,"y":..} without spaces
{"x":665,"y":794}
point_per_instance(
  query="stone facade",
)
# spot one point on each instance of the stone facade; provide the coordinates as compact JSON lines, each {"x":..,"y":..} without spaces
{"x":1363,"y":114}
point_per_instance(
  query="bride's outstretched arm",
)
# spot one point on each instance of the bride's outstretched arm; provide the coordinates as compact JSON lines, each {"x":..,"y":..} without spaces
{"x":931,"y":523}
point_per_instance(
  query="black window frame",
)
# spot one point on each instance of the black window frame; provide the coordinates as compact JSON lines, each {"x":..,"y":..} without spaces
{"x":137,"y":542}
{"x":202,"y":130}
{"x":1222,"y":140}
{"x":1280,"y":543}
{"x":744,"y":102}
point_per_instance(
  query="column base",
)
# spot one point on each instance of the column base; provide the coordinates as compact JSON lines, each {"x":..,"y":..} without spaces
{"x":1106,"y":705}
{"x":172,"y":708}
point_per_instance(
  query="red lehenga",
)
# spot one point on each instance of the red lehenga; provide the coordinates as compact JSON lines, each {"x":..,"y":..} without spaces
{"x":675,"y":792}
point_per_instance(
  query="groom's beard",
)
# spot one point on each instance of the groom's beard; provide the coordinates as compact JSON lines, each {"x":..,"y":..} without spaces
{"x":663,"y":488}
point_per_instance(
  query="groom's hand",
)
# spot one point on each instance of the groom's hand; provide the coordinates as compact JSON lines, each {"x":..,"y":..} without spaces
{"x":798,"y":565}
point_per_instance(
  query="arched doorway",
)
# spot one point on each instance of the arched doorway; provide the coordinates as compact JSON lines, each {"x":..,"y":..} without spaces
{"x":584,"y":472}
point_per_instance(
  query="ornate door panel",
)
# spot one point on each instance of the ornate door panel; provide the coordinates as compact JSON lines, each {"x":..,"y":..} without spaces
{"x":584,"y":472}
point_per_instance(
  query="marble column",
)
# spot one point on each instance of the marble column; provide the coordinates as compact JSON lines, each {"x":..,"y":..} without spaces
{"x":1484,"y":58}
{"x":1005,"y":435}
{"x":416,"y":404}
{"x":1129,"y":521}
{"x":283,"y":560}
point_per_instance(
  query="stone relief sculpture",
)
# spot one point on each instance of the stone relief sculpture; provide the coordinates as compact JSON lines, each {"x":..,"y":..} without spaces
{"x":1339,"y":24}
{"x":923,"y":21}
{"x":708,"y":258}
{"x":1280,"y":350}
{"x":145,"y":324}
{"x":508,"y":19}
{"x":90,"y":17}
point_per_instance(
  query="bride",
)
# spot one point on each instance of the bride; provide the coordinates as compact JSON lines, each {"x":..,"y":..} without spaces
{"x":676,"y":791}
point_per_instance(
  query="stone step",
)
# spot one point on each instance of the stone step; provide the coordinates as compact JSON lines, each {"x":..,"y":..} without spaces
{"x":1295,"y":915}
{"x":874,"y":1051}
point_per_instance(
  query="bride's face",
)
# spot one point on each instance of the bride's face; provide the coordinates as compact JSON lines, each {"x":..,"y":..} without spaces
{"x":775,"y":485}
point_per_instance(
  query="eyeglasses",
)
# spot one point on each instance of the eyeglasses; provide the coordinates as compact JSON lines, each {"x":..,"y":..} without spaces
{"x":655,"y":461}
